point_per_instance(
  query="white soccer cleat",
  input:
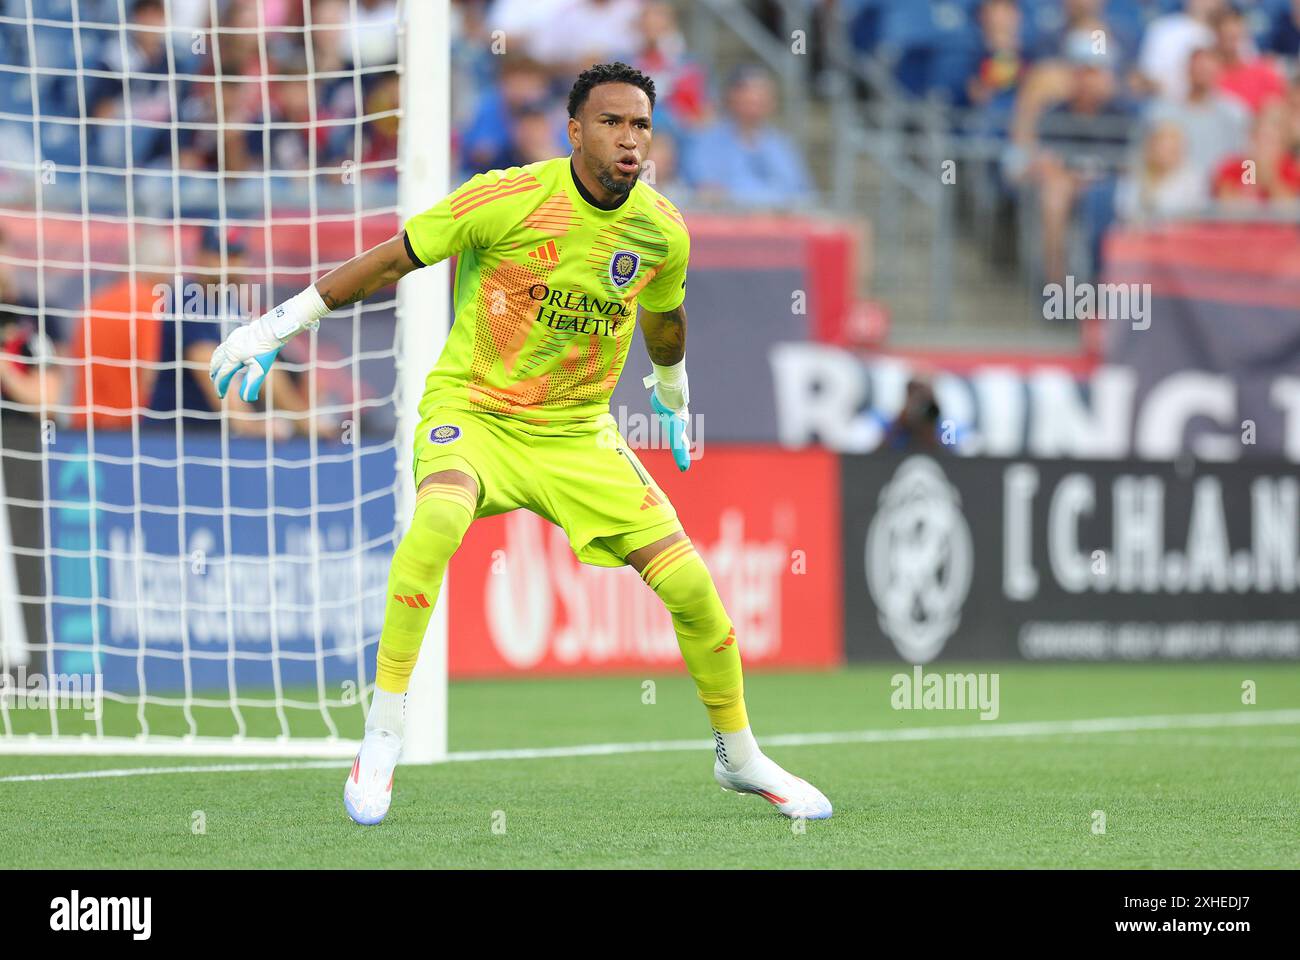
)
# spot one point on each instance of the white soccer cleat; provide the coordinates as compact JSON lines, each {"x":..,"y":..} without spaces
{"x":791,"y":795}
{"x":369,"y":787}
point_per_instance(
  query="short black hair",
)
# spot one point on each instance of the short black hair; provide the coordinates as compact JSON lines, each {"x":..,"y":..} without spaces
{"x":616,"y":72}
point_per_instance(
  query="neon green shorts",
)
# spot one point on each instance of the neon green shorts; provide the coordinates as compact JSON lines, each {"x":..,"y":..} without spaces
{"x":586,"y":480}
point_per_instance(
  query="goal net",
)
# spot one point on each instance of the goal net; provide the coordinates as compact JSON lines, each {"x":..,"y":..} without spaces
{"x":180,"y":574}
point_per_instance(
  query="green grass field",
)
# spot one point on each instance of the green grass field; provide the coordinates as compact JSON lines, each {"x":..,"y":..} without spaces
{"x":1211,"y":794}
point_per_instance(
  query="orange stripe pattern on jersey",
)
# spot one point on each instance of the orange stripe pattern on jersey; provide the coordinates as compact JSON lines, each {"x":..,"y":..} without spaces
{"x":473,"y":199}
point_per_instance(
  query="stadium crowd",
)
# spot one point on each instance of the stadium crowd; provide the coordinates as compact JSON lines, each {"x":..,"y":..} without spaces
{"x":272,"y":94}
{"x":276,"y":89}
{"x":1098,"y":111}
{"x":1129,"y":110}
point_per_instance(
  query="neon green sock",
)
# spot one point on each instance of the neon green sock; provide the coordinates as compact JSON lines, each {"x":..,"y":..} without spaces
{"x":443,"y":513}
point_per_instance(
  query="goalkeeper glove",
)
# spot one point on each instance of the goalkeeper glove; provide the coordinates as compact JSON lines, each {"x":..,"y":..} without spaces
{"x":254,"y":346}
{"x":669,"y":400}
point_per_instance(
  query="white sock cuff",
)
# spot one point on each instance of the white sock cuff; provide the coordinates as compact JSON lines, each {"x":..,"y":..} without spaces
{"x":387,"y":712}
{"x":735,"y":749}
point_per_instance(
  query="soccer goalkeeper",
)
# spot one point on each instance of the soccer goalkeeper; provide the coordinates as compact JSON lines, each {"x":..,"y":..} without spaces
{"x":554,"y":259}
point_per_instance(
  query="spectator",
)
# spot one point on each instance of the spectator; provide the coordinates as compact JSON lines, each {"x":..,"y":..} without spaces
{"x":223,"y":137}
{"x":1213,"y":124}
{"x":533,"y":135}
{"x":331,"y":53}
{"x":1069,"y":124}
{"x":118,"y":341}
{"x":485,"y":144}
{"x":379,"y":134}
{"x":681,"y":85}
{"x":1266,"y":173}
{"x":1003,"y":64}
{"x":1169,"y":41}
{"x":917,"y":425}
{"x":196,"y":107}
{"x":191,"y":331}
{"x":1255,"y":80}
{"x":26,"y":381}
{"x":141,"y":65}
{"x":208,"y":298}
{"x":1083,"y":19}
{"x":1166,"y":183}
{"x":299,"y":122}
{"x":473,"y":63}
{"x":237,"y":39}
{"x":742,"y":159}
{"x":26,"y":378}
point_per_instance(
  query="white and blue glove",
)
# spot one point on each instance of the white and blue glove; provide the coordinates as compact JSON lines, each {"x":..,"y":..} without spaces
{"x":253,"y":346}
{"x":669,"y":400}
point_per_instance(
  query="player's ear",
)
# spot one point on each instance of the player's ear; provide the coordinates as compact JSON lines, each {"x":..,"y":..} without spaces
{"x":575,"y":133}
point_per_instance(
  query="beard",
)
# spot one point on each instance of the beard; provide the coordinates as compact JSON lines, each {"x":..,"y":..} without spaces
{"x":614,"y":185}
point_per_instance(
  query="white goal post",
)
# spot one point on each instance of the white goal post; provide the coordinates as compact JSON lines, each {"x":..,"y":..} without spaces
{"x":211,"y":584}
{"x":423,"y":322}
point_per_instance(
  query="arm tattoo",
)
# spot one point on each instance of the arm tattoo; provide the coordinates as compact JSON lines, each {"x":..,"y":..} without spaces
{"x":665,"y":335}
{"x":334,"y":302}
{"x":364,"y":274}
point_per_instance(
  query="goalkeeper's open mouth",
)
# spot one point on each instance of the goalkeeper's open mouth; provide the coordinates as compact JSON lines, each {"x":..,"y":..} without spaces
{"x":628,"y":164}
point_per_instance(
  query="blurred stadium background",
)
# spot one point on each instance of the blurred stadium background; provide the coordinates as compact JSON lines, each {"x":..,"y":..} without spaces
{"x":994,"y":345}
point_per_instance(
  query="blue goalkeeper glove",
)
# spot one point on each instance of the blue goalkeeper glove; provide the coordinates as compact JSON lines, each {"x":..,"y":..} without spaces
{"x":254,"y":346}
{"x":669,"y":400}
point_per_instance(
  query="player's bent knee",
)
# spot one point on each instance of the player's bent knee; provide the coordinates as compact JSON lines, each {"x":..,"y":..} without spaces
{"x":442,"y":515}
{"x":687,"y":585}
{"x":443,"y":512}
{"x":441,"y":518}
{"x":682,"y":581}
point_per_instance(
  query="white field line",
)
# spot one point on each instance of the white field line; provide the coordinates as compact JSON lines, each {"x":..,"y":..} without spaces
{"x":994,"y":730}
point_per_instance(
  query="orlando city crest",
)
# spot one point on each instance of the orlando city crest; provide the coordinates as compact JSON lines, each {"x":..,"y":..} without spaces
{"x":623,"y":266}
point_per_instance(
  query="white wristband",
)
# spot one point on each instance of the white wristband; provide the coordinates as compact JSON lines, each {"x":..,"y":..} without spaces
{"x":669,"y":376}
{"x":673,"y":380}
{"x":298,"y":313}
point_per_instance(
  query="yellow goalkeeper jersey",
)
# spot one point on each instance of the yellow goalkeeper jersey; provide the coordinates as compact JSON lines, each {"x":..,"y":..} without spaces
{"x":547,"y":286}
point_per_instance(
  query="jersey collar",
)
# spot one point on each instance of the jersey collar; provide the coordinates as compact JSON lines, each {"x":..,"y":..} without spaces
{"x":587,"y":196}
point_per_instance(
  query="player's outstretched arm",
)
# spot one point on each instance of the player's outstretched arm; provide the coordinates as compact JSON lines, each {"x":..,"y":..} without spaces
{"x":665,"y":342}
{"x":379,"y":267}
{"x":254,"y":346}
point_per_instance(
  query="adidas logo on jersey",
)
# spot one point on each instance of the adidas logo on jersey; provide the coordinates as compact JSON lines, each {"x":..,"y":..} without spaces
{"x":547,"y":253}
